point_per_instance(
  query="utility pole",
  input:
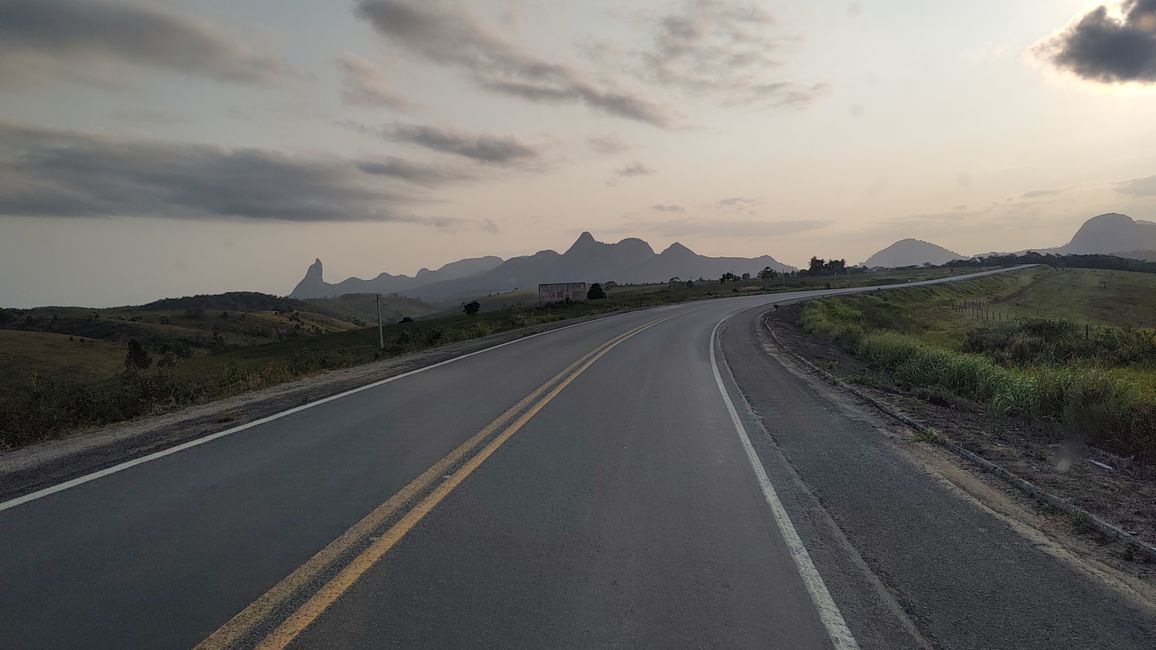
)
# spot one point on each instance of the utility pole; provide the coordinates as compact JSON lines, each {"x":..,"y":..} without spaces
{"x":380,"y":332}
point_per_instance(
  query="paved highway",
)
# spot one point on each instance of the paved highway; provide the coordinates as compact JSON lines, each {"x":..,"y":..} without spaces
{"x":610,"y":483}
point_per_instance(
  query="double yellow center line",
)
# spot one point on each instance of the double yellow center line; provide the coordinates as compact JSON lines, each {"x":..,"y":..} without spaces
{"x":424,"y":493}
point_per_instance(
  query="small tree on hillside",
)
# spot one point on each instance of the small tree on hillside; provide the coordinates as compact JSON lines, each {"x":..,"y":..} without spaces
{"x":472,"y":307}
{"x":595,"y":292}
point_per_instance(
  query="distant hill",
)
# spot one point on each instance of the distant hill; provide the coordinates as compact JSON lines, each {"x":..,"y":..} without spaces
{"x":588,"y":260}
{"x":1147,"y":256}
{"x":313,"y":285}
{"x":912,"y":252}
{"x":1112,"y":233}
{"x":195,"y":325}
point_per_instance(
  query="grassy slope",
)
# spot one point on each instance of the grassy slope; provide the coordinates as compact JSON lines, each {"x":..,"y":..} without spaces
{"x":920,"y":338}
{"x":23,"y":354}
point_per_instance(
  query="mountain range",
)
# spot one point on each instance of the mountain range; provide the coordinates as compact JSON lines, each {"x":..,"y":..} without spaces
{"x":1105,"y":234}
{"x":313,"y":285}
{"x":631,"y":260}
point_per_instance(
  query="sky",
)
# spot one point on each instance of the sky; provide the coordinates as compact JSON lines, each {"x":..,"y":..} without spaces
{"x":153,"y":148}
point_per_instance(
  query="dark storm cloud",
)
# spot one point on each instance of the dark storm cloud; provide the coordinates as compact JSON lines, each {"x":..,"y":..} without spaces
{"x":488,"y":149}
{"x":725,"y":49}
{"x":68,"y":174}
{"x":449,"y":34}
{"x":1107,"y":48}
{"x":1138,"y":187}
{"x":364,"y":84}
{"x":634,"y":169}
{"x":68,"y":39}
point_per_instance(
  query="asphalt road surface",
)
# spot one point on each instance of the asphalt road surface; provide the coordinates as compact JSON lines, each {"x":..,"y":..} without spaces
{"x":647,"y":479}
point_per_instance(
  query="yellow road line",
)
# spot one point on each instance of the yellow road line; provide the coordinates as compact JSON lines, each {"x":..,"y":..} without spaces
{"x":289,"y":629}
{"x":246,"y":621}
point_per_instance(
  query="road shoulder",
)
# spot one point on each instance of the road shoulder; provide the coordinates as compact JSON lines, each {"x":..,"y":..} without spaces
{"x":958,"y":554}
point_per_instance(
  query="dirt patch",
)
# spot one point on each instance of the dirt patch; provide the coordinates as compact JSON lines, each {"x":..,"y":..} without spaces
{"x":1118,"y":490}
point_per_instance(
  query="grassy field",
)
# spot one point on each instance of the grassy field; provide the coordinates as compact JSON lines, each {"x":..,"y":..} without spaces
{"x":1072,"y":346}
{"x":23,"y":354}
{"x":209,"y":347}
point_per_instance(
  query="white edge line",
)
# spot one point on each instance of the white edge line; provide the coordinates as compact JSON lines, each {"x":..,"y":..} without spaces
{"x":81,"y":480}
{"x":828,"y":611}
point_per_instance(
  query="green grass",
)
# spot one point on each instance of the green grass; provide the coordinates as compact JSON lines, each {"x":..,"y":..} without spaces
{"x":1093,"y":375}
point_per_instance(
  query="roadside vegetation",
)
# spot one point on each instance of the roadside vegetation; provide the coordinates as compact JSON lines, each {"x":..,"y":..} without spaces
{"x":65,"y":368}
{"x":1072,"y":347}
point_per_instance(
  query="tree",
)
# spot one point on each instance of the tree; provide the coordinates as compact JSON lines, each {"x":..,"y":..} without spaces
{"x":767,"y":274}
{"x":728,"y":277}
{"x":817,"y":266}
{"x":746,"y":276}
{"x":472,"y":307}
{"x":137,"y":358}
{"x":595,"y":292}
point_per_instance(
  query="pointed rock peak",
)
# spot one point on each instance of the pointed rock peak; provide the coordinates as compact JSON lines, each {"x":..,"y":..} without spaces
{"x":677,"y":249}
{"x":314,"y":269}
{"x":585,"y":241}
{"x":312,"y":284}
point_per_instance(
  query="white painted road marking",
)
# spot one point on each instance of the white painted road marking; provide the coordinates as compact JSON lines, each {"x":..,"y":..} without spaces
{"x":829,"y":614}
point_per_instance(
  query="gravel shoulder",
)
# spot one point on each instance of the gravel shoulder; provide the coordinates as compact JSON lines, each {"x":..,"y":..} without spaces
{"x":1115,"y":489}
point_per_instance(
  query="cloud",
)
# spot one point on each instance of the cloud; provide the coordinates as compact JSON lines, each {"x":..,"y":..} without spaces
{"x":722,"y":227}
{"x":725,"y":49}
{"x":1114,"y":44}
{"x":364,"y":84}
{"x":634,"y":169}
{"x":1036,"y":194}
{"x":416,"y":173}
{"x":739,"y":204}
{"x":607,"y":144}
{"x":1138,"y":187}
{"x":76,"y":39}
{"x":486,"y":149}
{"x":450,"y":34}
{"x":659,"y":207}
{"x":53,"y":173}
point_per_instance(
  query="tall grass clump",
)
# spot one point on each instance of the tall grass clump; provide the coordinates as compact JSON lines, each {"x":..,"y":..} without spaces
{"x":996,"y":370}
